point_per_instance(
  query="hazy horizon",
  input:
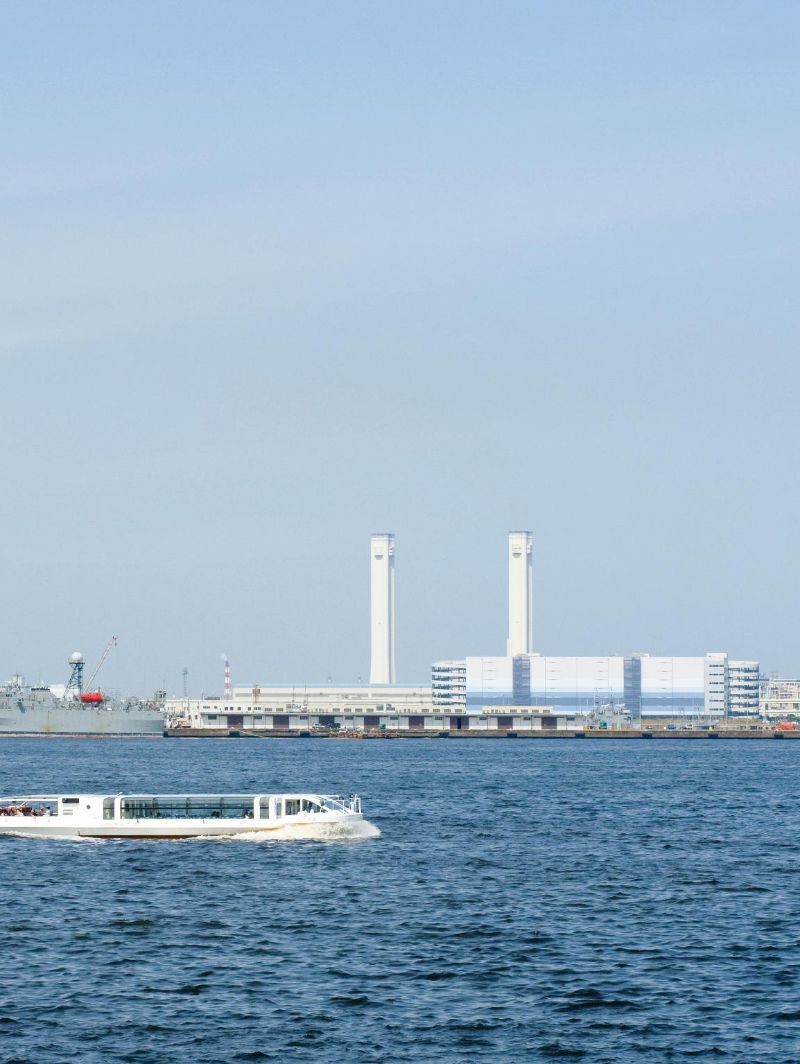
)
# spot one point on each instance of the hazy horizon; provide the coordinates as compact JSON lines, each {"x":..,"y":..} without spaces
{"x":277,"y":276}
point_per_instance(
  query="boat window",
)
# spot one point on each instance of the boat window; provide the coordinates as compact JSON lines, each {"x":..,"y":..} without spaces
{"x":210,"y":807}
{"x":108,"y":809}
{"x":70,"y":801}
{"x":34,"y":807}
{"x":278,"y":808}
{"x":310,"y":807}
{"x":264,"y":809}
{"x":292,"y":806}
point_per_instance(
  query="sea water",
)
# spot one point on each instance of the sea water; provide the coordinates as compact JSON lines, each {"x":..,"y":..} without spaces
{"x":514,"y":901}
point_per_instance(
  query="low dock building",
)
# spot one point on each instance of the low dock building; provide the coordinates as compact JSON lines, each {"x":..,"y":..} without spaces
{"x":289,"y":710}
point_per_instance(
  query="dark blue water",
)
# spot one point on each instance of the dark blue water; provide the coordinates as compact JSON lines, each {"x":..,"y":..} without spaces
{"x":526,"y":901}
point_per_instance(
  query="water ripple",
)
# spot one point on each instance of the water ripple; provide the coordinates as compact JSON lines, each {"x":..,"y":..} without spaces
{"x":520,"y":902}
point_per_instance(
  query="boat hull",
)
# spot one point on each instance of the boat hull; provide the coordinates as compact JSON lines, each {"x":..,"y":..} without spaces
{"x":48,"y":718}
{"x":54,"y":827}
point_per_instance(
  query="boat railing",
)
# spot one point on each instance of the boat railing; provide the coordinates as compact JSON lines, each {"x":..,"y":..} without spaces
{"x":349,"y":804}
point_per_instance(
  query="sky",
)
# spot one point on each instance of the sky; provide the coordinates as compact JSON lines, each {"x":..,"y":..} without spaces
{"x":278,"y":275}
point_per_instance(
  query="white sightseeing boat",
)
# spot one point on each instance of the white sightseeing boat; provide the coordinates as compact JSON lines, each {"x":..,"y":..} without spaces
{"x":174,"y":816}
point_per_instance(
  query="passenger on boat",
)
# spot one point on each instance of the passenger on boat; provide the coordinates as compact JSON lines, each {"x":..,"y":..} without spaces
{"x":23,"y":809}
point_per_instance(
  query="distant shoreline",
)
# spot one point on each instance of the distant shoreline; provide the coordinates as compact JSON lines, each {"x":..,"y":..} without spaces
{"x":589,"y":733}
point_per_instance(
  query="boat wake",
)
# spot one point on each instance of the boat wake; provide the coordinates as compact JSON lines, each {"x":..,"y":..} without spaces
{"x":356,"y":832}
{"x":341,"y":832}
{"x":49,"y":838}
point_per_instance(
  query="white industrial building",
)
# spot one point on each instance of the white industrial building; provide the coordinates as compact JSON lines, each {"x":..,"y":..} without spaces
{"x":779,"y":698}
{"x":643,"y":685}
{"x":744,"y":685}
{"x":449,"y":684}
{"x":568,"y":684}
{"x":351,"y":709}
{"x":265,"y":708}
{"x":211,"y":715}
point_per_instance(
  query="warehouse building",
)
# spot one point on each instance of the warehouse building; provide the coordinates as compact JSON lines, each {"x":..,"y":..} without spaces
{"x":644,"y":686}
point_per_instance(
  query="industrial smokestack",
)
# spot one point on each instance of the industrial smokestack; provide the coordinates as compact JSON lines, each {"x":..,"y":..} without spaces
{"x":520,"y":593}
{"x":227,"y":687}
{"x":381,"y":669}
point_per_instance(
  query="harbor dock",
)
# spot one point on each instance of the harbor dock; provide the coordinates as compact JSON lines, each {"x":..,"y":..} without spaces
{"x":427,"y":733}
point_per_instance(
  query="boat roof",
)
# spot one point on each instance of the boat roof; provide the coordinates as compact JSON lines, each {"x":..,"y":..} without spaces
{"x":51,"y":796}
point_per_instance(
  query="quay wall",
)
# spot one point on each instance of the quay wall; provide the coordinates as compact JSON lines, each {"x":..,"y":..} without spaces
{"x":427,"y":733}
{"x":408,"y":733}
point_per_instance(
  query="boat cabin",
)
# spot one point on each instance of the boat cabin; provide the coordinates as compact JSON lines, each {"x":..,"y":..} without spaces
{"x":258,"y":807}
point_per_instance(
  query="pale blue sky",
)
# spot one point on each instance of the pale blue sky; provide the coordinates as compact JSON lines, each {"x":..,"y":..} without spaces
{"x":277,"y":275}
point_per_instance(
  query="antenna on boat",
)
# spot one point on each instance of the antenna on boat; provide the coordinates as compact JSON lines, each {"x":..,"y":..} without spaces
{"x":76,"y":664}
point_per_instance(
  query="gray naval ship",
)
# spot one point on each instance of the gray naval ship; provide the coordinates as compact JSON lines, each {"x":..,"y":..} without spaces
{"x":68,"y":709}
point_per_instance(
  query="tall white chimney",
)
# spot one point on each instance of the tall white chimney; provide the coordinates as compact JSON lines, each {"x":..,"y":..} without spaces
{"x":520,"y":593}
{"x":381,"y":669}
